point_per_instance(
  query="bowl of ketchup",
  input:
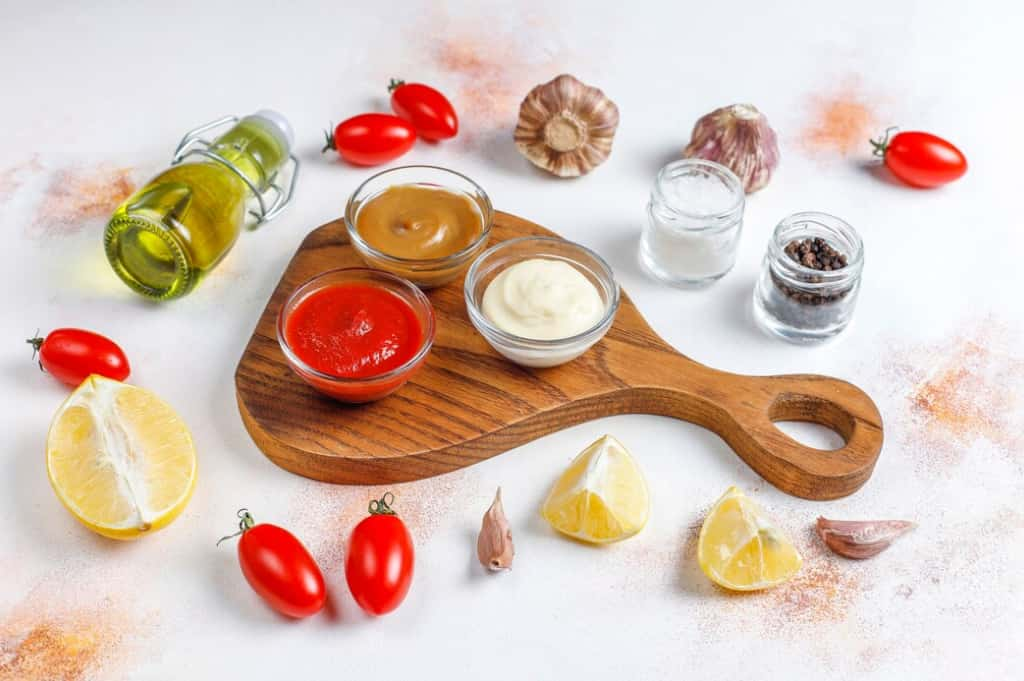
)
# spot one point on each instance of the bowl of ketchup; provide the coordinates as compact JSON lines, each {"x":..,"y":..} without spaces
{"x":356,"y":334}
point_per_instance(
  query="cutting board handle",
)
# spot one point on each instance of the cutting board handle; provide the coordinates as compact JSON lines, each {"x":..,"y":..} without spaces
{"x":743,"y":411}
{"x":755,"y":403}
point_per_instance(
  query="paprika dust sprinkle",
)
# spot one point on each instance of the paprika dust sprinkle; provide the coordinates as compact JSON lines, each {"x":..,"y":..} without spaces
{"x":648,"y":564}
{"x":961,"y":396}
{"x":823,"y":590}
{"x":493,"y":67}
{"x":965,"y":397}
{"x":319,"y":507}
{"x":840,"y":123}
{"x":488,"y":93}
{"x":9,"y":183}
{"x":426,"y":506}
{"x":12,"y":178}
{"x":75,"y":197}
{"x":69,"y":647}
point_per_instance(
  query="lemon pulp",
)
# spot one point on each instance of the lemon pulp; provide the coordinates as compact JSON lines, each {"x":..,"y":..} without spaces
{"x":741,"y":549}
{"x":120,"y":459}
{"x":602,"y":497}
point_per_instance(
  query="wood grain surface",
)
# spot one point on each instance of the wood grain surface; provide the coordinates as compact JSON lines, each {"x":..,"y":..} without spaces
{"x":468,"y":403}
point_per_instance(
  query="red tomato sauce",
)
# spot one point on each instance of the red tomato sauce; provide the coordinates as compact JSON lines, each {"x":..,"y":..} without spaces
{"x":354,"y":331}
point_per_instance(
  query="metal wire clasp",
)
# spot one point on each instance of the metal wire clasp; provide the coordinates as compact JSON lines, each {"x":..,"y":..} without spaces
{"x":269,"y":208}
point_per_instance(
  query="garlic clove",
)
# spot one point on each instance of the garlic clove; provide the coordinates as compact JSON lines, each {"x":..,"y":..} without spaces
{"x":566,"y":127}
{"x":861,"y":538}
{"x":494,"y":545}
{"x":737,"y":136}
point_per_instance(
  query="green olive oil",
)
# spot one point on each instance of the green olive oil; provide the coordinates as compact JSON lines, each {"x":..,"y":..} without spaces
{"x":166,"y":237}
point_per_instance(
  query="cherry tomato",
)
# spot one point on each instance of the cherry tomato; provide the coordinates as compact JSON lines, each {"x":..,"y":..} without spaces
{"x":279,"y":568}
{"x":921,"y":159}
{"x":428,"y":110}
{"x":379,"y":563}
{"x":371,"y":139}
{"x":72,"y":355}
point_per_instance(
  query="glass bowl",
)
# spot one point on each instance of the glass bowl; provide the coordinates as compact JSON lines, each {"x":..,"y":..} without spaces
{"x":370,"y":388}
{"x":431,"y":272}
{"x":527,"y":351}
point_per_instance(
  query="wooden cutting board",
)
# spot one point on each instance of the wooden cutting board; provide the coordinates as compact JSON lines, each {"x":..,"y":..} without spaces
{"x":467,"y":403}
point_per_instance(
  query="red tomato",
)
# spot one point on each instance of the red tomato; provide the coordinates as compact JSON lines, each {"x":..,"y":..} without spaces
{"x":279,"y":568}
{"x":428,"y":110}
{"x":921,"y":159}
{"x":371,"y":139}
{"x":72,"y":355}
{"x":379,"y":563}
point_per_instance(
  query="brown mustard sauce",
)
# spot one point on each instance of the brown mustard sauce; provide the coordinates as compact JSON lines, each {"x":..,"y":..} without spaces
{"x":418,"y":222}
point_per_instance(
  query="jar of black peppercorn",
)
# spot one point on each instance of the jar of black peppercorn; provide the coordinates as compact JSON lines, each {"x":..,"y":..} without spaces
{"x":810,"y":278}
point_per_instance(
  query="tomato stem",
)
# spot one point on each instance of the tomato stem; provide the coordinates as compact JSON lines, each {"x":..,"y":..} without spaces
{"x":382,"y":506}
{"x":245,"y":523}
{"x":330,"y":140}
{"x":36,"y":343}
{"x":881,"y":145}
{"x":394,"y":84}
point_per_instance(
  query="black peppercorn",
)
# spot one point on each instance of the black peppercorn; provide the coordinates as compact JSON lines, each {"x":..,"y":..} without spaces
{"x":816,"y":254}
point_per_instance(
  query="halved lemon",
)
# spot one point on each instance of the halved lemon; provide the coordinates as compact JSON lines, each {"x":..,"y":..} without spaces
{"x":740,"y":549}
{"x":602,"y":497}
{"x":120,"y":459}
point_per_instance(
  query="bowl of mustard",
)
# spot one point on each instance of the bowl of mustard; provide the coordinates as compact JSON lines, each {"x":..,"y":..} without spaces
{"x":423,"y":223}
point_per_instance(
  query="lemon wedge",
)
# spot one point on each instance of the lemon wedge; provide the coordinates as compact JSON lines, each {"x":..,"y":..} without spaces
{"x":602,"y":497}
{"x":740,"y":549}
{"x":120,"y":459}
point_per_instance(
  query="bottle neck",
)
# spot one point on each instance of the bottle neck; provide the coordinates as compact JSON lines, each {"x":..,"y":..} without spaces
{"x":254,"y":149}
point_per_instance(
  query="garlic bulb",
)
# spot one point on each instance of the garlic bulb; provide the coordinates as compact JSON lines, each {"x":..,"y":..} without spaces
{"x":739,"y":137}
{"x":566,"y":127}
{"x":494,"y":544}
{"x":861,"y":538}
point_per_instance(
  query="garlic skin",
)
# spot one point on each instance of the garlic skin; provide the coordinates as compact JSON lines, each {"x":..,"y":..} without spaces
{"x":861,"y":539}
{"x":566,"y":127}
{"x":494,"y":545}
{"x":737,"y":136}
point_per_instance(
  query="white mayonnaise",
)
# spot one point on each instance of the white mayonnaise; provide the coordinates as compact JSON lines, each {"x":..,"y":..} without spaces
{"x":542,"y":299}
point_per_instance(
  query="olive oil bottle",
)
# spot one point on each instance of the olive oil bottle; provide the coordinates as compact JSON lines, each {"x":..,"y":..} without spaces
{"x":167,"y":236}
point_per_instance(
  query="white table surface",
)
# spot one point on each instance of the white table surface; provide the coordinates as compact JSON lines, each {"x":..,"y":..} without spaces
{"x":97,"y":96}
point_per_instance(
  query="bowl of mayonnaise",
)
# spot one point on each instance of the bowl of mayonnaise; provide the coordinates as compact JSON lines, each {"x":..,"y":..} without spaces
{"x":541,"y":301}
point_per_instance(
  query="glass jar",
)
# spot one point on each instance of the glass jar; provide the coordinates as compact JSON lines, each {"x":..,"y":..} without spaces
{"x":694,"y":219}
{"x":802,"y":304}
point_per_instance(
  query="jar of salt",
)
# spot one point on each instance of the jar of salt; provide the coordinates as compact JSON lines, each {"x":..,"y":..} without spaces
{"x":694,"y":220}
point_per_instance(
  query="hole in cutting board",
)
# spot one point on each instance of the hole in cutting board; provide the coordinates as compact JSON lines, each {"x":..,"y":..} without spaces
{"x":812,"y":434}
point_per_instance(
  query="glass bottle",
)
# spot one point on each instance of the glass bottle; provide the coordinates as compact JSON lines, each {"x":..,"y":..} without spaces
{"x":168,"y":235}
{"x":694,"y":220}
{"x":802,"y":304}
